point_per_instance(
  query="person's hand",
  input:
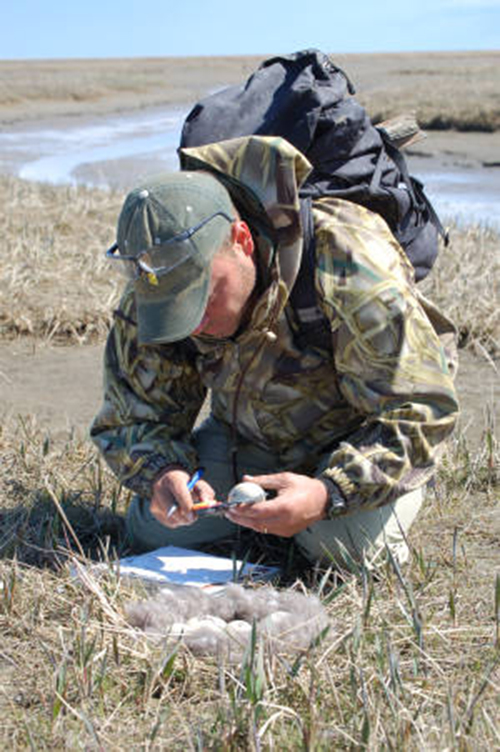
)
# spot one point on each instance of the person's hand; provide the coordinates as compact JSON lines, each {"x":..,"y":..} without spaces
{"x":172,"y":502}
{"x":300,"y":501}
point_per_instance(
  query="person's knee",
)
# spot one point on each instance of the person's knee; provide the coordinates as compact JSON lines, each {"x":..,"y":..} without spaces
{"x":365,"y":538}
{"x":329,"y":544}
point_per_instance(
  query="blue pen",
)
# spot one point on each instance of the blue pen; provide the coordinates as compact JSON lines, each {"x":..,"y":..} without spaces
{"x":190,"y":485}
{"x":195,"y":478}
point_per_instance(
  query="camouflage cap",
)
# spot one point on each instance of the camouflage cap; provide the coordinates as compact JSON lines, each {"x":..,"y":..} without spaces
{"x":158,"y":224}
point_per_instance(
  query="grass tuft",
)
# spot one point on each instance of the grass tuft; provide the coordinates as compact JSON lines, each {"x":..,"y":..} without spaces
{"x":465,"y":283}
{"x":55,"y":283}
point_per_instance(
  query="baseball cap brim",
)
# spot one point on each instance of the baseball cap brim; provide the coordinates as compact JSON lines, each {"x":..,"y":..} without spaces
{"x":171,"y":310}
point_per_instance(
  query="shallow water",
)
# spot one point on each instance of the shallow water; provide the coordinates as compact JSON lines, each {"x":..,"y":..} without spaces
{"x":466,"y":195}
{"x":88,"y":153}
{"x":119,"y":150}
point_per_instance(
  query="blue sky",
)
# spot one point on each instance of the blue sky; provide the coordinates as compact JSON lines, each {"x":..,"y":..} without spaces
{"x":129,"y":28}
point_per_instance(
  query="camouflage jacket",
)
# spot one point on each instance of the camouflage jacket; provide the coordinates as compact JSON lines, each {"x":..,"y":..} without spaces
{"x":371,"y":414}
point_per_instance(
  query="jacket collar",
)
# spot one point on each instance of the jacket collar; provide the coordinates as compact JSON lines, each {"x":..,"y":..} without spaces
{"x":263,"y":174}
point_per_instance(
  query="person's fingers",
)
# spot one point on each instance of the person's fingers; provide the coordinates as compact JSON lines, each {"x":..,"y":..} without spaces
{"x":252,"y":524}
{"x":255,"y":516}
{"x":300,"y":501}
{"x":203,"y":491}
{"x":248,"y":513}
{"x":267,"y":527}
{"x":175,"y":502}
{"x":169,"y":513}
{"x":172,"y":500}
{"x":179,"y":517}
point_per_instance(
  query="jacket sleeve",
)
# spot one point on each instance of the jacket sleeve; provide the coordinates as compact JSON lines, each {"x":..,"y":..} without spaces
{"x":152,"y":396}
{"x":391,"y":365}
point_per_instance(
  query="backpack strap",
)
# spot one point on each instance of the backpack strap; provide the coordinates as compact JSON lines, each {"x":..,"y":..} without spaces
{"x":313,"y":326}
{"x":415,"y":189}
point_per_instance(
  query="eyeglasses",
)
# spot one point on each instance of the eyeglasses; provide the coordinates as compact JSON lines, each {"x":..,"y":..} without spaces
{"x":143,"y":263}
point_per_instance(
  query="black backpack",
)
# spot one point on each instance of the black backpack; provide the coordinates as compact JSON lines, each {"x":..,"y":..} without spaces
{"x":308,"y":100}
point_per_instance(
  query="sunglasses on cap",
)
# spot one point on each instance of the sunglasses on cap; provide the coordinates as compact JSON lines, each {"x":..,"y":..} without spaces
{"x":144,"y":264}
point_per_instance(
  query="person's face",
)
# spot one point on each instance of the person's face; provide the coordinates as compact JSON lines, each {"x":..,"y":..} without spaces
{"x":231,"y":285}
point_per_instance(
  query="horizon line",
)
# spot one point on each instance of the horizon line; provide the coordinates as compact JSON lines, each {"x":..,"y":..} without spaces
{"x":458,"y":51}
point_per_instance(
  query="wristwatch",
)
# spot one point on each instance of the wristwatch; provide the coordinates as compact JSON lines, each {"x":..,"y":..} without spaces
{"x":336,"y":504}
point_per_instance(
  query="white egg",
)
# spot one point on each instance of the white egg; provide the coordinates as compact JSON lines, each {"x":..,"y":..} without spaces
{"x":194,"y":623}
{"x":279,"y":623}
{"x":246,"y":493}
{"x":239,"y":630}
{"x":215,"y":620}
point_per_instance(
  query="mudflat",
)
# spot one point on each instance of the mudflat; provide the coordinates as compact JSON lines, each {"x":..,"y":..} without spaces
{"x":454,"y":94}
{"x":447,"y":90}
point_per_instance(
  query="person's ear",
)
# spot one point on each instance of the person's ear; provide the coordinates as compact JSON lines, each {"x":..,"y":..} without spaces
{"x":241,"y":236}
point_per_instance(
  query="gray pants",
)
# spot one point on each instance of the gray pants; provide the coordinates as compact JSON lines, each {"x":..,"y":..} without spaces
{"x":362,"y":537}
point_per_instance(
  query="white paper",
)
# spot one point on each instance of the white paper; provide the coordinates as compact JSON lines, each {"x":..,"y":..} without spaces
{"x":182,"y":566}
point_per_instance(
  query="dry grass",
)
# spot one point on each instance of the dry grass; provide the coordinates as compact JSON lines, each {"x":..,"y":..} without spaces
{"x":457,"y":90}
{"x":414,"y":662}
{"x":465,"y":283}
{"x":54,"y":281}
{"x":56,"y":284}
{"x":49,"y":87}
{"x":447,"y":90}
